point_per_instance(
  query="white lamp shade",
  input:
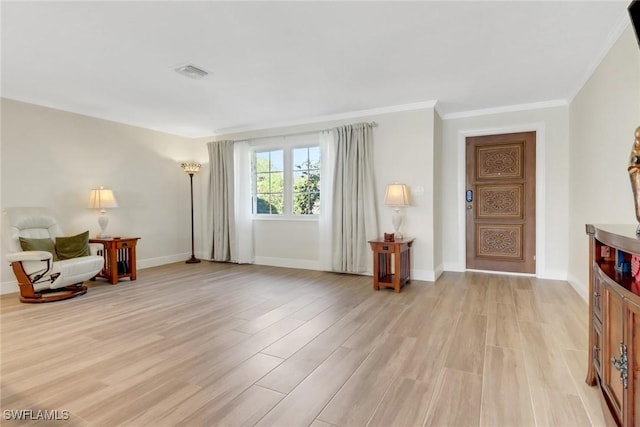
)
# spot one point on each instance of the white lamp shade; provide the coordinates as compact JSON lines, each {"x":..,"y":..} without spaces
{"x":396,"y":195}
{"x":102,"y":198}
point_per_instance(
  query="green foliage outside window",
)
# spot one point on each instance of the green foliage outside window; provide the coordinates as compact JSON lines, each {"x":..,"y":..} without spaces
{"x":306,"y":189}
{"x":303,"y":178}
{"x":306,"y":181}
{"x":269,"y":182}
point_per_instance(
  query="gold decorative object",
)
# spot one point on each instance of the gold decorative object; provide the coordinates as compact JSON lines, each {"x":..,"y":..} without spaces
{"x":634,"y":175}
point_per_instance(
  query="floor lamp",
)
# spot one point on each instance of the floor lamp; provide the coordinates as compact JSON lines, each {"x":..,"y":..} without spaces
{"x":191,"y":168}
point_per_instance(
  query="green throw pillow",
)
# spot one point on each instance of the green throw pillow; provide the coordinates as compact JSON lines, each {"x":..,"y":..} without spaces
{"x":30,"y":244}
{"x":73,"y":246}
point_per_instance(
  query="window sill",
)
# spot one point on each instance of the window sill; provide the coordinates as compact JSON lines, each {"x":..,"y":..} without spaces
{"x":310,"y":218}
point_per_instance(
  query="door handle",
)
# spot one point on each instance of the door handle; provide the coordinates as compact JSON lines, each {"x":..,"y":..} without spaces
{"x":469,"y":196}
{"x":622,"y":365}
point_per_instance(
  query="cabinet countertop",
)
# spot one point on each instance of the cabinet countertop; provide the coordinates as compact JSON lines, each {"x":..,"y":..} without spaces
{"x":622,"y":236}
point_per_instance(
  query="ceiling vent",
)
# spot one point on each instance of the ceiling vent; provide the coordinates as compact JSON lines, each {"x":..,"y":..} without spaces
{"x":191,"y":71}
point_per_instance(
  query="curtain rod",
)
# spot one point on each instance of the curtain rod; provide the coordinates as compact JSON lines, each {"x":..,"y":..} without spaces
{"x":309,"y":132}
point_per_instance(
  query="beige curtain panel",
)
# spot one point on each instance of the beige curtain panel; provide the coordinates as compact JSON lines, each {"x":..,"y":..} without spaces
{"x":354,"y":216}
{"x":221,"y":200}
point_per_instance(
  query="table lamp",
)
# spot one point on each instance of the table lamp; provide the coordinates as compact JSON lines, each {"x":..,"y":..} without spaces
{"x":396,"y":196}
{"x":102,"y":198}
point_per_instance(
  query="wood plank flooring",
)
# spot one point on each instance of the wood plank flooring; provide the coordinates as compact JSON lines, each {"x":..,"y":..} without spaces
{"x":220,"y":344}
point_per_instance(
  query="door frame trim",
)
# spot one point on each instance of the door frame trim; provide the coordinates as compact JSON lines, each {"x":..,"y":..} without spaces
{"x":537,"y":127}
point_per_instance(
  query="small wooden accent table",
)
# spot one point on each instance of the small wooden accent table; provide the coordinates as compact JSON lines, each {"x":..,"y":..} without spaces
{"x":119,"y":258}
{"x":383,"y":251}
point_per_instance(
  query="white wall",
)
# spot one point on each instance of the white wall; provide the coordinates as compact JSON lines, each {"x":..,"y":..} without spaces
{"x":53,"y":158}
{"x":286,"y":243}
{"x":604,"y":116}
{"x":403,"y":152}
{"x":552,"y":126}
{"x":438,"y":196}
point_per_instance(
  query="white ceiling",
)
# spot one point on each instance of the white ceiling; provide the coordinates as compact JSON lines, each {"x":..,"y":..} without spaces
{"x":276,"y":62}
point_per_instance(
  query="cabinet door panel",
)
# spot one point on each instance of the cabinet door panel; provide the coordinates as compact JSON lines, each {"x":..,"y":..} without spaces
{"x":596,"y":350}
{"x":613,"y":336}
{"x":597,"y":291}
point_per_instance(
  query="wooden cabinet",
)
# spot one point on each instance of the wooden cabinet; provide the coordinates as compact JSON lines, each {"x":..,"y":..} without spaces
{"x":119,"y":258}
{"x":613,"y":338}
{"x":614,"y":322}
{"x":633,"y":342}
{"x":391,"y":263}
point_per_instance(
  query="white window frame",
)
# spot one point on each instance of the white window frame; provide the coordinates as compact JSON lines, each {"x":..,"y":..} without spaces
{"x":254,"y":185}
{"x":290,"y":188}
{"x":287,"y":145}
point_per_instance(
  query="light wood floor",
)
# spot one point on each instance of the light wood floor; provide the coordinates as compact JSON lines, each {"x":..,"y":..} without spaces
{"x":218,"y":344}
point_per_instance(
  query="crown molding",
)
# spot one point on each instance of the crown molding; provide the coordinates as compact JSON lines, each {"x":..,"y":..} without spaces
{"x":506,"y":109}
{"x":329,"y":118}
{"x":611,"y":40}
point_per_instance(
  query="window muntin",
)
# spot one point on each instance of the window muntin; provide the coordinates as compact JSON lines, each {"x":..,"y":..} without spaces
{"x":306,"y":181}
{"x":269,"y":182}
{"x":286,"y":182}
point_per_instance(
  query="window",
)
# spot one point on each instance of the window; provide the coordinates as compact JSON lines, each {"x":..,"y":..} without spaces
{"x":286,"y":181}
{"x":306,"y":181}
{"x":269,"y":182}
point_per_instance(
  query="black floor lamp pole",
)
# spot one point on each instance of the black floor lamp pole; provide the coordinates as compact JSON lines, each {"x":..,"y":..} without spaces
{"x":193,"y":259}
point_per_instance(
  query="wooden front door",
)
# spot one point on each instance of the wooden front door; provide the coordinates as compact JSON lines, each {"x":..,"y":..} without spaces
{"x":500,"y":202}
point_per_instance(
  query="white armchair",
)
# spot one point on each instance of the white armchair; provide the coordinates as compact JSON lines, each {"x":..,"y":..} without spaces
{"x":40,"y":277}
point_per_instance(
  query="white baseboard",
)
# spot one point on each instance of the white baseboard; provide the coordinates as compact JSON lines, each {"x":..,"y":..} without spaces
{"x":581,"y":288}
{"x":426,"y":275}
{"x":553,"y":275}
{"x":154,"y":262}
{"x":9,"y":287}
{"x":548,"y":274}
{"x":304,"y":264}
{"x":438,"y":272}
{"x":501,"y":273}
{"x":453,"y":266}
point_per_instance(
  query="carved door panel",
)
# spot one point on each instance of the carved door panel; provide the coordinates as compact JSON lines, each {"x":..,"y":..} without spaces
{"x":501,"y":202}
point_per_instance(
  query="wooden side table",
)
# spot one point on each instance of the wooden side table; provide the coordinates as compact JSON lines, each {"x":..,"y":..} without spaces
{"x":119,"y":258}
{"x":383,"y":252}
